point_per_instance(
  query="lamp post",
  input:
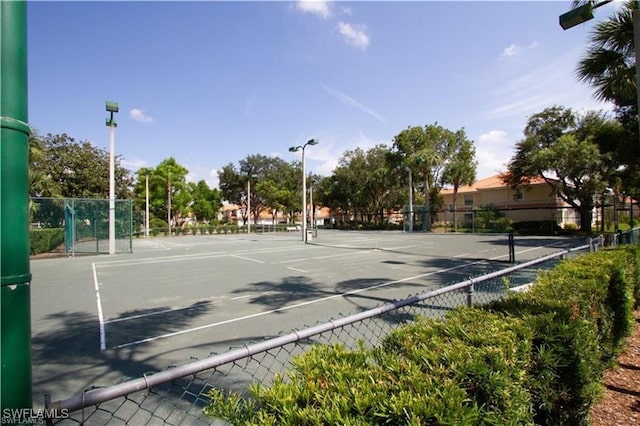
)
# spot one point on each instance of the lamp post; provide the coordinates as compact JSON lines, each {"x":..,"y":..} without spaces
{"x":410,"y":200}
{"x":112,"y":107}
{"x":169,"y":202}
{"x":304,"y":185}
{"x":146,"y":206}
{"x":311,"y":206}
{"x":249,"y":204}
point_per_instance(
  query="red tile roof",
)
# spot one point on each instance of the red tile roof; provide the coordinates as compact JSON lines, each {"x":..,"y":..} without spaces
{"x":491,"y":182}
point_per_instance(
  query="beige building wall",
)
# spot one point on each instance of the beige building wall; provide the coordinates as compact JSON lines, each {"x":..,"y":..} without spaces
{"x":532,"y":203}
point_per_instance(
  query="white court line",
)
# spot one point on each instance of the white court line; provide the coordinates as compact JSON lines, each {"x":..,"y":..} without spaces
{"x":103,"y":341}
{"x":294,"y":260}
{"x":286,"y":308}
{"x":310,"y":302}
{"x":163,"y":311}
{"x":297,"y":270}
{"x":242,"y":297}
{"x":356,"y":253}
{"x":181,"y":257}
{"x":246,"y":258}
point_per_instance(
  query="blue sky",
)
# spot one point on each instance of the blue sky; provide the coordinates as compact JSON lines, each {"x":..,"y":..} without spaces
{"x":212,"y":82}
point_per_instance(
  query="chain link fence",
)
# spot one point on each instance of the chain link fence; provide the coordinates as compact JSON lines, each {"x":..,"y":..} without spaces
{"x":176,"y":396}
{"x":85,"y":223}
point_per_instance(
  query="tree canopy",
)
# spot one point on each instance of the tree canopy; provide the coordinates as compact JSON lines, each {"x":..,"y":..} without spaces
{"x":61,"y":166}
{"x":561,"y":148}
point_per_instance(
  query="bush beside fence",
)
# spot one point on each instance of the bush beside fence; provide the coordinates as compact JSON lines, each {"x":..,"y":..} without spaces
{"x":536,"y":357}
{"x":45,"y":240}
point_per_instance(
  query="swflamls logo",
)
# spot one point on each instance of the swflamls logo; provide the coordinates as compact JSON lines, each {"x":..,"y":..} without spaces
{"x":30,"y":415}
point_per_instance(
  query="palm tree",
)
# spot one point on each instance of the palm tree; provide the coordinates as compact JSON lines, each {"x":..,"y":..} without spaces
{"x":609,"y":64}
{"x":461,"y":170}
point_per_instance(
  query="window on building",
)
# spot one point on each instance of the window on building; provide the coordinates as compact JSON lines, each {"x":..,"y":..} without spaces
{"x":468,"y":199}
{"x":519,"y":195}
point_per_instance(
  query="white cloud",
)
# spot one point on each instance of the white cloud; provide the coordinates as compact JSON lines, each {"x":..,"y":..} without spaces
{"x":316,"y":7}
{"x":348,"y":100}
{"x":542,"y":86}
{"x":515,"y":49}
{"x":355,"y":35}
{"x":494,"y":149}
{"x":198,"y":173}
{"x":521,"y":107}
{"x":139,"y":116}
{"x":511,"y":50}
{"x":324,"y":157}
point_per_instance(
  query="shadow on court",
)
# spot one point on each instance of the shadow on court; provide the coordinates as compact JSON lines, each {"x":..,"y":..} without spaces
{"x":138,"y":324}
{"x":69,"y":360}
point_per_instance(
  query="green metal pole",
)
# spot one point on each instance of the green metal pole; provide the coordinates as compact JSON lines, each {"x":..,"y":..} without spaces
{"x":15,"y":276}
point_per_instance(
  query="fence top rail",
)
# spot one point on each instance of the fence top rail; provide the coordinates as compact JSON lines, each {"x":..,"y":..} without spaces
{"x":99,"y":395}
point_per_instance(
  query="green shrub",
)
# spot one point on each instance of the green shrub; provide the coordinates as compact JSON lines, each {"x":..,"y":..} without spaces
{"x":45,"y":240}
{"x":564,"y":373}
{"x":581,"y":314}
{"x":461,"y":377}
{"x":157,"y":225}
{"x":634,"y":254}
{"x":537,"y":227}
{"x":597,"y":287}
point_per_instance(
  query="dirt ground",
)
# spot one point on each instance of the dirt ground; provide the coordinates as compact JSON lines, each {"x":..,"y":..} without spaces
{"x":621,"y":402}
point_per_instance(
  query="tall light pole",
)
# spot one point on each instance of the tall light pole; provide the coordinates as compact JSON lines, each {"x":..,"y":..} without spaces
{"x":311,"y":206}
{"x":112,"y":107}
{"x":410,"y":200}
{"x":249,"y":205}
{"x":146,"y":206}
{"x":169,"y":202}
{"x":304,"y":185}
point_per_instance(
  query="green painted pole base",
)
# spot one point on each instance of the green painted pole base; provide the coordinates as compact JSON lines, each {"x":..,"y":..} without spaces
{"x":15,"y":329}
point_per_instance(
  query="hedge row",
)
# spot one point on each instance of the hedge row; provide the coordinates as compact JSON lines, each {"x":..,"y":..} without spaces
{"x":533,"y":358}
{"x":45,"y":240}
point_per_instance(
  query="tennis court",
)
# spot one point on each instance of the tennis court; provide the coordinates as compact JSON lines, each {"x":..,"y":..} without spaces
{"x":99,"y":319}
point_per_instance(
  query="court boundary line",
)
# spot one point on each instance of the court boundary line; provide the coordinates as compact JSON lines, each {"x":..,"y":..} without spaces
{"x":96,"y":285}
{"x":310,"y":302}
{"x":297,"y":305}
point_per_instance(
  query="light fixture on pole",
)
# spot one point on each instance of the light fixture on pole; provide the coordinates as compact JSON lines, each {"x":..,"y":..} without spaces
{"x":304,"y":185}
{"x":112,"y":107}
